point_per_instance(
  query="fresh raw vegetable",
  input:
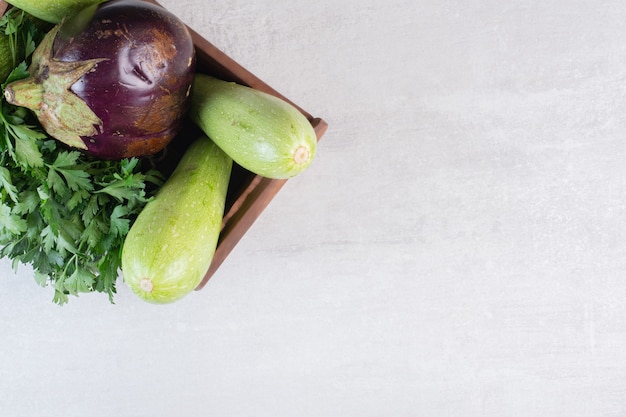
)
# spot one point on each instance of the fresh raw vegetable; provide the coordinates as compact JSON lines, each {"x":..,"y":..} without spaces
{"x":63,"y":213}
{"x":114,"y":80}
{"x":52,"y":11}
{"x":262,"y":133}
{"x":170,"y":246}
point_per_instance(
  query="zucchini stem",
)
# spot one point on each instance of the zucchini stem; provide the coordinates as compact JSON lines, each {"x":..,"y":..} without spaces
{"x":301,"y":155}
{"x":146,"y":285}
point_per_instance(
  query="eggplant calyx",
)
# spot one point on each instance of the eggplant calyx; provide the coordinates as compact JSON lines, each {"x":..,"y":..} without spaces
{"x":62,"y":114}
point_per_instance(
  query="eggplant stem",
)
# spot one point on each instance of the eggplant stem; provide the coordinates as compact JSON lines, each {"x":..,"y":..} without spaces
{"x":47,"y":92}
{"x":25,"y":93}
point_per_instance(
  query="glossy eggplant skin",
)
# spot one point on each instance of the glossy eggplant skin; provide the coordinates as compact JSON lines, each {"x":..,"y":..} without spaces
{"x":141,"y":88}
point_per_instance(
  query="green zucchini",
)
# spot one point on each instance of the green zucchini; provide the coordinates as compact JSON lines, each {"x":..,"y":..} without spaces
{"x":53,"y":11}
{"x":262,"y":133}
{"x":169,"y":247}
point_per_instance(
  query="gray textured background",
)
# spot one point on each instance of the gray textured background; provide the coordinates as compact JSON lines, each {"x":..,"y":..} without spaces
{"x":457,"y":248}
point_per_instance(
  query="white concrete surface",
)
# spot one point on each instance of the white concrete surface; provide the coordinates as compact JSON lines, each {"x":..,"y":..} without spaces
{"x":457,"y":249}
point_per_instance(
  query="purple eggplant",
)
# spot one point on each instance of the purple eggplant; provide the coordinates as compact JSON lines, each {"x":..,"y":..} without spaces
{"x":114,"y":80}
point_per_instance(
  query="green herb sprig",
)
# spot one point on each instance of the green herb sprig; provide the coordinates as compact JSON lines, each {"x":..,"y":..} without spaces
{"x":19,"y":35}
{"x":62,"y":212}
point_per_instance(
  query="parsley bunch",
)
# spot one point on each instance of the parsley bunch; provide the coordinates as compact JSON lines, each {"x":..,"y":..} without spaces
{"x":62,"y":212}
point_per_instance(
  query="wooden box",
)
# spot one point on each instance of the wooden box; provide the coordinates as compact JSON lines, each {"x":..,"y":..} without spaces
{"x":248,"y":194}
